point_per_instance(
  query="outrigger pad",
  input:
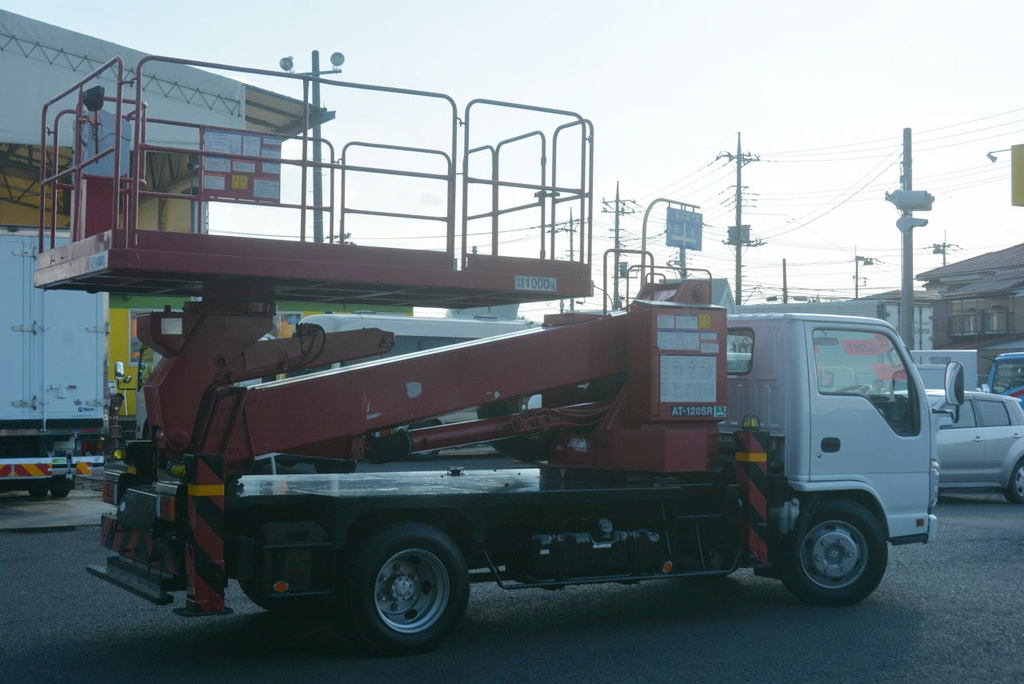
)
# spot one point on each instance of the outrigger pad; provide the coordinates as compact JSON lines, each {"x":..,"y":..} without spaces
{"x":143,"y":587}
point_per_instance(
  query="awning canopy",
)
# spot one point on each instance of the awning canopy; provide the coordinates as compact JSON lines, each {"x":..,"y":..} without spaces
{"x":39,"y":60}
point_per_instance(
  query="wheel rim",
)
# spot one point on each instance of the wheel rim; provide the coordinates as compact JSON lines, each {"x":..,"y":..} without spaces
{"x":1018,"y":482}
{"x":833,"y":554}
{"x":411,"y":591}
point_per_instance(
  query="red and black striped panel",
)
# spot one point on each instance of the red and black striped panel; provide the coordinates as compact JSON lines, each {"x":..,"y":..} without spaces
{"x":204,"y":553}
{"x":138,"y":545}
{"x":752,"y":477}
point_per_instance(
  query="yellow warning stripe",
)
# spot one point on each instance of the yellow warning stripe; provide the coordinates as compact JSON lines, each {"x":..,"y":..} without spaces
{"x":24,"y":470}
{"x":755,"y":457}
{"x":206,"y":490}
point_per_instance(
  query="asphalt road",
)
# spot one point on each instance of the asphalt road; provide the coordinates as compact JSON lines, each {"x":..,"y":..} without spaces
{"x":950,"y":611}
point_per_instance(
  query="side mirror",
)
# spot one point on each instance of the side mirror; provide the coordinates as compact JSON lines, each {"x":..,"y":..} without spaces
{"x":119,"y":369}
{"x":954,"y":384}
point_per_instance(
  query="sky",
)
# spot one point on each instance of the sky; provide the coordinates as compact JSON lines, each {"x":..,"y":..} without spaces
{"x":821,"y":92}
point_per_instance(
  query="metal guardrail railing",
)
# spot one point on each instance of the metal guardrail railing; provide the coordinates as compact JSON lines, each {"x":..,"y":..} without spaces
{"x":647,"y":274}
{"x":131,"y":190}
{"x":548,"y":196}
{"x":52,"y":177}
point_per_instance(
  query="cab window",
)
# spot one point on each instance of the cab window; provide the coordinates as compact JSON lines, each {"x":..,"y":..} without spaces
{"x":740,"y":351}
{"x":866,"y":364}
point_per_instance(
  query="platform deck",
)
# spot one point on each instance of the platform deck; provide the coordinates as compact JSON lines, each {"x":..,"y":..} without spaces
{"x":166,"y":263}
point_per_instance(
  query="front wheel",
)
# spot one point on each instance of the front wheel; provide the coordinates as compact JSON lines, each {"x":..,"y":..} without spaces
{"x":406,"y":589}
{"x":837,"y":557}
{"x":1014,"y":491}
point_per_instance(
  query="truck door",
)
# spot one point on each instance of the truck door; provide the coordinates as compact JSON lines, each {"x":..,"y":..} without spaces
{"x":868,"y":425}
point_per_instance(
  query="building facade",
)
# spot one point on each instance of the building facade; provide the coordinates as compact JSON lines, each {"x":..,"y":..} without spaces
{"x":980,"y":303}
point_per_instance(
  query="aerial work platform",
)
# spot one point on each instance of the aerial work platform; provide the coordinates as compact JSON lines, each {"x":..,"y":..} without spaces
{"x":126,"y":236}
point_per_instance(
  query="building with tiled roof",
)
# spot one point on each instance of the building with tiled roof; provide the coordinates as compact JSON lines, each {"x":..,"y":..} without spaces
{"x":981,"y":303}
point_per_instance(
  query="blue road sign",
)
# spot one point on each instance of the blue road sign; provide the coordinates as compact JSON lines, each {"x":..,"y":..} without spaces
{"x":684,"y":229}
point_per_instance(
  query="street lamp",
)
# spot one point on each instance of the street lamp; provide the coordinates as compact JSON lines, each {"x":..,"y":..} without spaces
{"x":1016,"y":172}
{"x":288,"y":64}
{"x":992,"y":155}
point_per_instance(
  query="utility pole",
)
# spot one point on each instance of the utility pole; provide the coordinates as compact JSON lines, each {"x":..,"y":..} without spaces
{"x":907,"y":291}
{"x":857,"y":261}
{"x":942,"y":248}
{"x":908,"y":200}
{"x":572,"y":254}
{"x":785,"y":284}
{"x":619,"y":210}
{"x":739,"y":234}
{"x":288,"y":64}
{"x":318,"y":173}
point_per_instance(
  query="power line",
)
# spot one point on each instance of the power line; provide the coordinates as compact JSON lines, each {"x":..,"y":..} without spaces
{"x":801,"y":222}
{"x":845,"y":147}
{"x":681,"y":181}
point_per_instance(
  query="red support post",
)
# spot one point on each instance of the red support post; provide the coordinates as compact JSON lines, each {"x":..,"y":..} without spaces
{"x":204,"y":551}
{"x":752,"y":477}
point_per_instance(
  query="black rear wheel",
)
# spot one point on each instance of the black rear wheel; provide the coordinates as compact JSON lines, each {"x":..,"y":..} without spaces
{"x":405,"y":590}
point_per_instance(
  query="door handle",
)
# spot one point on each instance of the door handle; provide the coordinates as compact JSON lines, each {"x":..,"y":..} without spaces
{"x":978,"y":439}
{"x":830,"y":445}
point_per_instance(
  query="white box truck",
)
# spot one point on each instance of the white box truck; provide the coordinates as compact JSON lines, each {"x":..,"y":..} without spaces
{"x":931,"y":364}
{"x":53,"y":399}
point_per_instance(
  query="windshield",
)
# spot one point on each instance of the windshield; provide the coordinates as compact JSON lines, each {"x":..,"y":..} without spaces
{"x":862,"y":363}
{"x":1009,"y":375}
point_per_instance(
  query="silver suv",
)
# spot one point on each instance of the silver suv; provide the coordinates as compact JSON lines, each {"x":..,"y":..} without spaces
{"x":984,"y":448}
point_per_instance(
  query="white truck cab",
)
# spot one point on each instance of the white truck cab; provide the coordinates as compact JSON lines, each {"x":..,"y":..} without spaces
{"x":842,"y":400}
